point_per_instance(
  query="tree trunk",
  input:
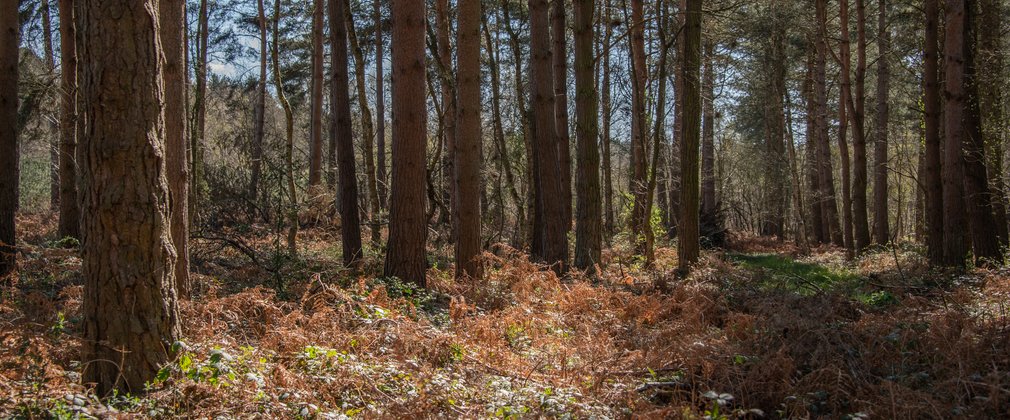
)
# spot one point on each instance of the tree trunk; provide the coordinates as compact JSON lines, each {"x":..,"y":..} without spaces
{"x":292,"y":210}
{"x":553,"y":249}
{"x":829,"y":205}
{"x":443,"y":26}
{"x":54,"y":150}
{"x":405,"y":257}
{"x":130,"y":315}
{"x":881,"y":227}
{"x":173,"y":41}
{"x":10,"y":158}
{"x":818,"y":227}
{"x":933,"y":157}
{"x":687,"y":229}
{"x":560,"y":57}
{"x":857,"y":105}
{"x":708,"y":198}
{"x":990,"y":77}
{"x":260,"y":107}
{"x":340,"y":103}
{"x":776,"y":164}
{"x":199,"y":116}
{"x":380,"y":108}
{"x":316,"y":103}
{"x":366,"y":130}
{"x":984,"y":238}
{"x":468,"y":141}
{"x":955,"y":248}
{"x":70,"y":214}
{"x":588,"y":238}
{"x":844,"y":109}
{"x":638,"y":186}
{"x":606,"y":111}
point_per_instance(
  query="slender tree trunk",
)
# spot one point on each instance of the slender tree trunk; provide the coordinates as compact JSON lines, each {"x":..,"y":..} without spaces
{"x":638,"y":186}
{"x":881,"y":226}
{"x":678,"y":125}
{"x":260,"y":107}
{"x":173,"y":41}
{"x":405,"y":257}
{"x":560,"y":57}
{"x":340,"y":103}
{"x":292,"y":210}
{"x":794,"y":172}
{"x":10,"y":158}
{"x":955,"y":249}
{"x":316,"y":103}
{"x":588,"y":235}
{"x":857,"y":105}
{"x":994,"y":128}
{"x":773,"y":220}
{"x":553,"y":249}
{"x":844,"y":109}
{"x":380,"y":107}
{"x":54,"y":150}
{"x":131,"y":318}
{"x":199,"y":116}
{"x":70,"y":214}
{"x":708,"y":199}
{"x":468,"y":141}
{"x":606,"y":111}
{"x":525,"y":121}
{"x":818,"y":227}
{"x":984,"y":237}
{"x":829,"y":204}
{"x":447,"y":89}
{"x":687,"y":229}
{"x":933,"y":158}
{"x":366,"y":129}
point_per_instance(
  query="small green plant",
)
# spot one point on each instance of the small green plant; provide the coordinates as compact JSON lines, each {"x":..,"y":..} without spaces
{"x":59,"y":326}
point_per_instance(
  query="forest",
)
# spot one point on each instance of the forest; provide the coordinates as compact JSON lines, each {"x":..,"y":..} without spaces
{"x":333,"y":209}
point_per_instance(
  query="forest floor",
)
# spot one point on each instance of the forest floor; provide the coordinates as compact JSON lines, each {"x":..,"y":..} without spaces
{"x":759,"y":330}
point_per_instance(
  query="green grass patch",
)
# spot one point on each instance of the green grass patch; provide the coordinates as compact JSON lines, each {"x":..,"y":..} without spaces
{"x":778,"y":272}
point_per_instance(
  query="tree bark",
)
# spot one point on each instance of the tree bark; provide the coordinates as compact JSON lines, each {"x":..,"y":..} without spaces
{"x":366,"y":130}
{"x":844,"y":109}
{"x":468,"y":141}
{"x":773,"y":219}
{"x":560,"y":58}
{"x":991,"y":105}
{"x":70,"y":214}
{"x":443,"y":26}
{"x":405,"y":257}
{"x":553,"y":249}
{"x":955,"y":249}
{"x":687,"y":229}
{"x":818,"y":228}
{"x":881,"y":226}
{"x":316,"y":102}
{"x":708,"y":198}
{"x":857,"y":105}
{"x":199,"y":115}
{"x":340,"y":103}
{"x":173,"y":41}
{"x":10,"y":158}
{"x":588,"y":235}
{"x":380,"y":108}
{"x":638,"y":186}
{"x":606,"y":110}
{"x":933,"y":158}
{"x":829,"y":205}
{"x":54,"y":149}
{"x":131,"y":318}
{"x":292,"y":210}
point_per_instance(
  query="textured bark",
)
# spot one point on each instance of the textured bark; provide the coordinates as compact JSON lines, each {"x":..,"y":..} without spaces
{"x":708,"y":198}
{"x":673,"y":207}
{"x":559,"y":56}
{"x":199,"y":115}
{"x":173,"y":41}
{"x":955,"y":249}
{"x":292,"y":210}
{"x":606,"y":111}
{"x":829,"y":205}
{"x":405,"y":257}
{"x":933,"y":158}
{"x":54,"y":150}
{"x":366,"y":130}
{"x":70,"y":213}
{"x":553,"y":247}
{"x":991,"y":105}
{"x":857,"y":105}
{"x":773,"y":216}
{"x":845,"y":55}
{"x":380,"y":107}
{"x":818,"y":229}
{"x":638,"y":185}
{"x":259,"y":107}
{"x":588,"y":235}
{"x":447,"y":88}
{"x":982,"y":226}
{"x":10,"y":156}
{"x":881,"y":224}
{"x":130,"y":314}
{"x":468,"y":141}
{"x":340,"y":103}
{"x":687,"y":230}
{"x":316,"y":100}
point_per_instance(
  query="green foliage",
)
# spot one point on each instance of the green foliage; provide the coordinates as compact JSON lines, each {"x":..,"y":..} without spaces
{"x":803,"y":278}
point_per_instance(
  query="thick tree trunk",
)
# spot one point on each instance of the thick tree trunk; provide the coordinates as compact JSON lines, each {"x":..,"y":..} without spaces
{"x":10,"y":157}
{"x":380,"y":107}
{"x":316,"y":102}
{"x":259,"y":108}
{"x":559,"y":51}
{"x":933,"y":157}
{"x":405,"y":257}
{"x":687,"y":230}
{"x":468,"y":141}
{"x":70,"y":214}
{"x":173,"y":41}
{"x":955,"y":249}
{"x":130,"y":315}
{"x":857,"y":105}
{"x":366,"y":130}
{"x":588,"y":235}
{"x":553,"y":248}
{"x":829,"y":205}
{"x":881,"y":224}
{"x":818,"y":228}
{"x":340,"y":103}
